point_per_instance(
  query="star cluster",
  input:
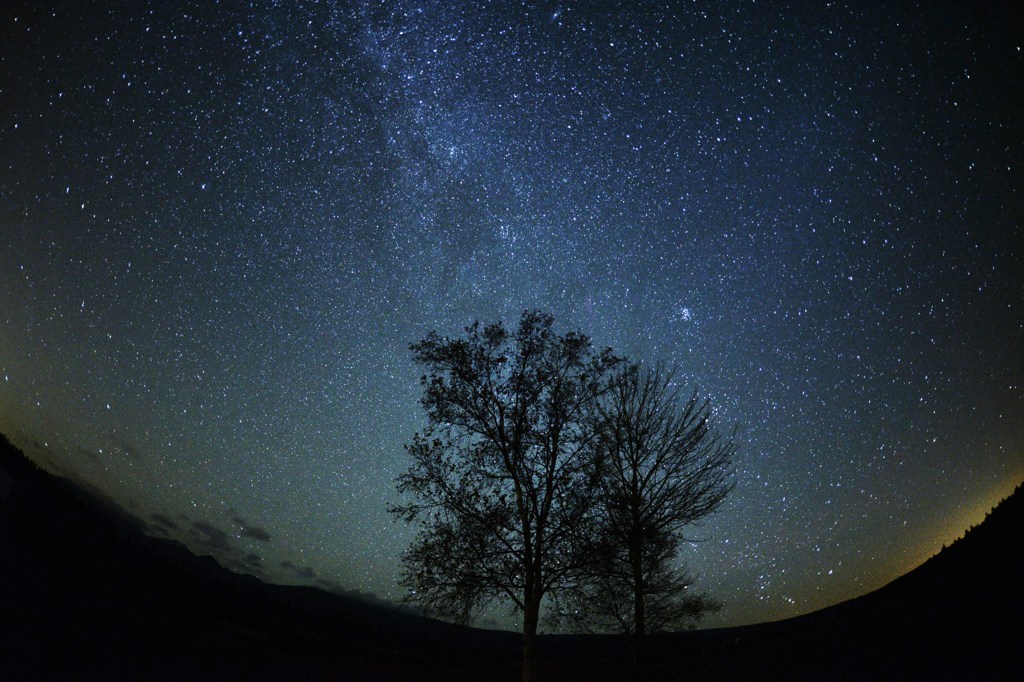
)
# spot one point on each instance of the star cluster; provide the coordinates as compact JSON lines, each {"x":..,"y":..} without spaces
{"x":221,"y":225}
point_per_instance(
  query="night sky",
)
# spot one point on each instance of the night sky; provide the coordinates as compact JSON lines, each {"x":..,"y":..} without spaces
{"x":222,"y":224}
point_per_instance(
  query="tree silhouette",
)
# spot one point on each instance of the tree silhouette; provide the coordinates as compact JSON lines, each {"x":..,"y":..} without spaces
{"x":502,"y":478}
{"x":661,"y":468}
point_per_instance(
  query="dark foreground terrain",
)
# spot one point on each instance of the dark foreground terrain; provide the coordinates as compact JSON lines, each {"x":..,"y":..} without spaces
{"x":85,"y":594}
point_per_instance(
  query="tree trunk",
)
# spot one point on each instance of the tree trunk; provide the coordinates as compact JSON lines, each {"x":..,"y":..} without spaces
{"x":639,"y":590}
{"x":530,"y":616}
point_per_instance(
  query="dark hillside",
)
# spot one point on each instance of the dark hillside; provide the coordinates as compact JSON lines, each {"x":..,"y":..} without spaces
{"x":958,"y":616}
{"x":84,"y":593}
{"x":83,"y":590}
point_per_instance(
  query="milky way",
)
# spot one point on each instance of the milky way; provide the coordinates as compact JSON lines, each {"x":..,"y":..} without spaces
{"x":222,"y":224}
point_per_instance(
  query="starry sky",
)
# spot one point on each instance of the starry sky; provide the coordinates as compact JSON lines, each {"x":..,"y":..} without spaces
{"x":223,"y":223}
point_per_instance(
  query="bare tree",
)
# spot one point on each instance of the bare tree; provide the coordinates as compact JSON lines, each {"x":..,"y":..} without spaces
{"x":501,"y":479}
{"x":662,"y":467}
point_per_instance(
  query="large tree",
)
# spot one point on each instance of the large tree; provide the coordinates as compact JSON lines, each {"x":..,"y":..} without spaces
{"x":662,"y":467}
{"x":502,"y":478}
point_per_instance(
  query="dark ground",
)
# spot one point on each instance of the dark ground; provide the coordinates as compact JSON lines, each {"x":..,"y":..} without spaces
{"x":84,"y":594}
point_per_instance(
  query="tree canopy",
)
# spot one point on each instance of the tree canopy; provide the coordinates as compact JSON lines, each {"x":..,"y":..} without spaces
{"x":549,"y":468}
{"x":502,"y":476}
{"x":661,"y":467}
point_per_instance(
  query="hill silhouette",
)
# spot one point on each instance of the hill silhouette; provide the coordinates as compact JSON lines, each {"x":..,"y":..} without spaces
{"x":85,"y":593}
